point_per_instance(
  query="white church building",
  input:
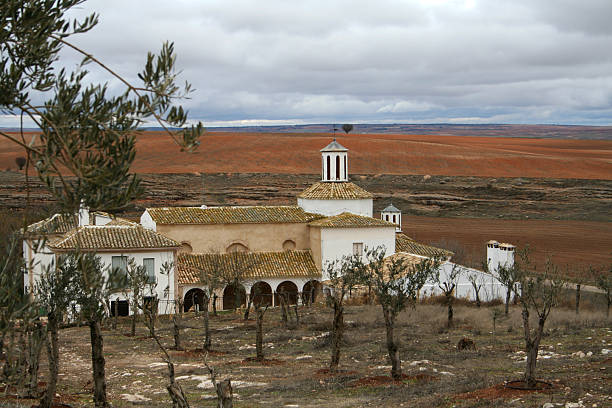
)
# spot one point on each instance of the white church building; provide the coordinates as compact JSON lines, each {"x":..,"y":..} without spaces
{"x":280,"y":249}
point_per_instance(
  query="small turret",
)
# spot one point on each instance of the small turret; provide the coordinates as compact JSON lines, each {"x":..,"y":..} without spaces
{"x":499,"y":255}
{"x":334,"y":159}
{"x":392,"y":214}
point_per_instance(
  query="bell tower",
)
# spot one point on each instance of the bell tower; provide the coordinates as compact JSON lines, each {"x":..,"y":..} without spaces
{"x":334,"y":163}
{"x":392,"y":214}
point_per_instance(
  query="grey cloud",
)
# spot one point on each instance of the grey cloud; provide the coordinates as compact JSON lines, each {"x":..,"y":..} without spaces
{"x":390,"y":60}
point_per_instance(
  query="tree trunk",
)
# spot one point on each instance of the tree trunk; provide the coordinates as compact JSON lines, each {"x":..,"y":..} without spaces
{"x":337,"y":332}
{"x":248,"y":308}
{"x":578,"y":298}
{"x":134,"y":317}
{"x":97,"y":361}
{"x":53,"y":361}
{"x":508,"y":293}
{"x":175,"y":390}
{"x":259,"y":313}
{"x":224,"y":394}
{"x":532,"y":346}
{"x":477,"y":290}
{"x":37,"y":338}
{"x":207,"y":340}
{"x":609,"y":302}
{"x":396,"y":363}
{"x":281,"y":299}
{"x":115,"y":317}
{"x":297,"y":315}
{"x":152,"y":315}
{"x":176,"y":332}
{"x":449,"y":301}
{"x":214,"y":305}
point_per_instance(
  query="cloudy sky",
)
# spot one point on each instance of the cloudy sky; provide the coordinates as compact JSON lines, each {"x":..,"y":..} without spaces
{"x":410,"y":61}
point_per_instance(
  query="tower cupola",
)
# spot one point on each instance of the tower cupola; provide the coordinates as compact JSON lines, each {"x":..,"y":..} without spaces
{"x":334,"y":159}
{"x":392,"y":214}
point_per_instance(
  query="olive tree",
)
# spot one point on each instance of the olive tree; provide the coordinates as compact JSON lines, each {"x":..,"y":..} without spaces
{"x":343,"y":275}
{"x":603,"y":281}
{"x":396,"y":282}
{"x":87,"y":137}
{"x":537,"y":293}
{"x":54,"y":293}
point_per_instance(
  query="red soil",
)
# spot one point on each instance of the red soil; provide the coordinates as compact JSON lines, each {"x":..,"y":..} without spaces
{"x":251,"y":152}
{"x":576,"y":244}
{"x":379,"y":380}
{"x":498,"y":391}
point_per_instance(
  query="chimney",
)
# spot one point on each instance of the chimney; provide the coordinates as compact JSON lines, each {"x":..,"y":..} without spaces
{"x":83,"y":214}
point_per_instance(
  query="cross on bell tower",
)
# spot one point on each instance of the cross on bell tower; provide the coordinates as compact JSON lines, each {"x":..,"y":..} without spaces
{"x":334,"y":158}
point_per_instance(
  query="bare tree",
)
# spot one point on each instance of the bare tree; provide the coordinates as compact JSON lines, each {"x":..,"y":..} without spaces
{"x":347,"y":128}
{"x":343,"y":275}
{"x":20,"y":162}
{"x":447,"y":286}
{"x":507,"y":276}
{"x":539,"y":294}
{"x":603,"y":281}
{"x":223,"y":389}
{"x":259,"y":314}
{"x":476,"y":281}
{"x":396,"y":282}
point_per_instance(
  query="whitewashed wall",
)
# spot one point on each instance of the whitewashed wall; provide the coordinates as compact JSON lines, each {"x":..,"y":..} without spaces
{"x":491,"y":287}
{"x":337,"y":242}
{"x":37,"y":257}
{"x":147,"y":221}
{"x":335,"y":207}
{"x":166,"y":301}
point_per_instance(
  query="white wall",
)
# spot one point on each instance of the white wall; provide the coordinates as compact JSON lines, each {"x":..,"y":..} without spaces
{"x":491,"y":287}
{"x":166,"y":302}
{"x":335,"y":207}
{"x":147,"y":221}
{"x":37,"y":257}
{"x":337,"y":242}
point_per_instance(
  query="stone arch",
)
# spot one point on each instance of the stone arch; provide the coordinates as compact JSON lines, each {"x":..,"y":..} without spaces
{"x":290,"y":289}
{"x":289,"y":245}
{"x":185,"y":248}
{"x":193,"y":297}
{"x":311,"y":291}
{"x":234,"y":296}
{"x":261,"y":294}
{"x":237,"y":247}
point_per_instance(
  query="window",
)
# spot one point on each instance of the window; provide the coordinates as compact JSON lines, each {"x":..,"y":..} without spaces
{"x":237,"y":247}
{"x":394,"y":219}
{"x":387,"y":217}
{"x":289,"y":245}
{"x":345,"y":172}
{"x":149,"y":265}
{"x":337,"y":167}
{"x":328,"y":168}
{"x":358,"y":248}
{"x":119,"y":265}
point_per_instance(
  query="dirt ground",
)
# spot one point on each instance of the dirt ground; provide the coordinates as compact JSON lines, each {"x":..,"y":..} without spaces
{"x":298,"y":153}
{"x":295,"y":375}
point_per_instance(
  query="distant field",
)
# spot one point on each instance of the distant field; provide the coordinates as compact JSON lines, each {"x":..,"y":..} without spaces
{"x":573,"y":244}
{"x":249,"y":152}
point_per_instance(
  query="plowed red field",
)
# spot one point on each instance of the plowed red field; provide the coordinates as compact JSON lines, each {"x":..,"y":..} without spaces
{"x":370,"y":154}
{"x":569,"y":244}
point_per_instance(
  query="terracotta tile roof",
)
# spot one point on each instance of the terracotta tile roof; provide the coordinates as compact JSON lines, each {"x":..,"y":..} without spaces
{"x":335,"y":191}
{"x":105,"y":237}
{"x":56,"y":224}
{"x":406,"y":244}
{"x":349,"y":220}
{"x":256,"y":265}
{"x":231,"y":215}
{"x":121,"y":221}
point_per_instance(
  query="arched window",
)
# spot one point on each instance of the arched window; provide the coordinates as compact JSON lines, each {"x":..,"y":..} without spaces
{"x":387,"y":217}
{"x":328,"y":168}
{"x":289,"y":245}
{"x":237,"y":247}
{"x":394,"y":219}
{"x":337,"y":167}
{"x":345,"y":172}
